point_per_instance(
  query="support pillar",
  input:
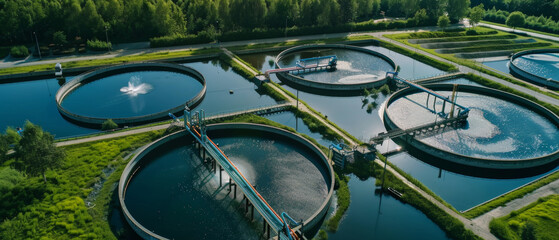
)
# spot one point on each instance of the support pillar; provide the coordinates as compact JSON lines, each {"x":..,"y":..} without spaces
{"x":220,"y":171}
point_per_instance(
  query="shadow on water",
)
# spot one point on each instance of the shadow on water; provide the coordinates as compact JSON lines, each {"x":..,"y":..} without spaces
{"x":475,"y":171}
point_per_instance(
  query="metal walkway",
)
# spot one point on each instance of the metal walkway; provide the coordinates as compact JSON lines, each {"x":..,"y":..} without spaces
{"x":308,"y":64}
{"x":461,"y":109}
{"x":421,"y":129}
{"x":196,"y":126}
{"x":449,"y":119}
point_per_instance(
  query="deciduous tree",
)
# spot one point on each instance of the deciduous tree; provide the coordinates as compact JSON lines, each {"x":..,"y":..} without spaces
{"x":37,"y":151}
{"x":516,"y":19}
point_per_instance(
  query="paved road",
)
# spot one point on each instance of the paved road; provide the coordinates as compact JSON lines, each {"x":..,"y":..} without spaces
{"x":127,"y":49}
{"x":143,"y":47}
{"x":533,"y":34}
{"x":549,"y":189}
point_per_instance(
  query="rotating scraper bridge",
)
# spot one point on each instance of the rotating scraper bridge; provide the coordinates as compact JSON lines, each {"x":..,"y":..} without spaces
{"x":308,"y":65}
{"x":448,"y":118}
{"x":195,"y":124}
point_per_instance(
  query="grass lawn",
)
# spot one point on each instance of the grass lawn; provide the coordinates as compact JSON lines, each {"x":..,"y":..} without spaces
{"x":523,"y":29}
{"x":403,"y":38}
{"x":110,"y":61}
{"x":58,"y":209}
{"x":539,"y":220}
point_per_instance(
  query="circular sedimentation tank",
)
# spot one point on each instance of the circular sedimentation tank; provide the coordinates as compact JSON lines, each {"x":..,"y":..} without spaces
{"x":540,"y":66}
{"x":167,"y":191}
{"x":357,"y":68}
{"x":503,"y":131}
{"x":130,"y":93}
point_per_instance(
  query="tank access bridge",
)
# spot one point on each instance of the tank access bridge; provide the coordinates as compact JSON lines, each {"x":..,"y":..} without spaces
{"x":307,"y":65}
{"x":195,"y":124}
{"x":448,"y":119}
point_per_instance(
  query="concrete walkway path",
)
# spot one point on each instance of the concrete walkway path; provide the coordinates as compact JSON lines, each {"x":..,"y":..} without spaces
{"x":532,"y":34}
{"x":516,"y":204}
{"x":464,"y":69}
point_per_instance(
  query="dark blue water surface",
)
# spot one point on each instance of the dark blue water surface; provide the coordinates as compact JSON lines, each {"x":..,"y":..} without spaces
{"x":34,"y":100}
{"x":132,"y":94}
{"x":348,"y":113}
{"x":289,"y":119}
{"x":177,"y":197}
{"x":220,"y":79}
{"x":372,"y":216}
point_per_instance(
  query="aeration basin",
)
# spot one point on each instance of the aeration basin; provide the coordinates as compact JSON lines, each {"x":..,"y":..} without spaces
{"x":356,"y":69}
{"x":503,"y":131}
{"x":168,"y":191}
{"x":130,"y":93}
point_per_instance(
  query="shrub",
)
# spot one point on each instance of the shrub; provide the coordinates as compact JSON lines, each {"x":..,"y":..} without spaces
{"x":471,"y":32}
{"x":180,"y":39}
{"x":108,"y":125}
{"x":96,"y":45}
{"x":19,"y":51}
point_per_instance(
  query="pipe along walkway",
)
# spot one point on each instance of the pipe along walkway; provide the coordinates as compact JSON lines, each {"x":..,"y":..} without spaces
{"x":449,"y":119}
{"x":196,"y":126}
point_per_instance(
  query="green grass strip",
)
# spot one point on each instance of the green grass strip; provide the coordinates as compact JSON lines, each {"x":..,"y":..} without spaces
{"x":476,"y":66}
{"x":111,"y":61}
{"x":523,"y":29}
{"x":420,"y":57}
{"x":538,"y":220}
{"x":344,"y":199}
{"x":452,"y":226}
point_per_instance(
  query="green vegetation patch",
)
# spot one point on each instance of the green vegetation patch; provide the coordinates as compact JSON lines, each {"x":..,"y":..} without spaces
{"x":539,"y":220}
{"x":4,"y":51}
{"x":441,"y":34}
{"x":495,"y":47}
{"x":111,"y":61}
{"x":462,"y":39}
{"x":343,"y":202}
{"x":57,"y":210}
{"x":476,"y":66}
{"x":19,"y":51}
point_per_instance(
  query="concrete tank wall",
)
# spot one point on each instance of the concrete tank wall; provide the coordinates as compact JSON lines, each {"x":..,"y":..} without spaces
{"x":554,"y":83}
{"x":136,"y":161}
{"x":469,"y":160}
{"x":331,"y":86}
{"x":102,"y":72}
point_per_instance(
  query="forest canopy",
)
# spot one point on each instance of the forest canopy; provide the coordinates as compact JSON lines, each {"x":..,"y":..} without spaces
{"x":138,"y":20}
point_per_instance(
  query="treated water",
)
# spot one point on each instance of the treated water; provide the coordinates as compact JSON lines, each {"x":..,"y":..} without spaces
{"x":352,"y":67}
{"x":175,"y":195}
{"x":132,"y":94}
{"x":495,"y":129}
{"x":545,"y":65}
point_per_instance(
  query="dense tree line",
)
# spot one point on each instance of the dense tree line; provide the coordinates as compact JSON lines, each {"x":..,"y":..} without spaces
{"x":548,"y":8}
{"x":540,"y":22}
{"x":134,"y":20}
